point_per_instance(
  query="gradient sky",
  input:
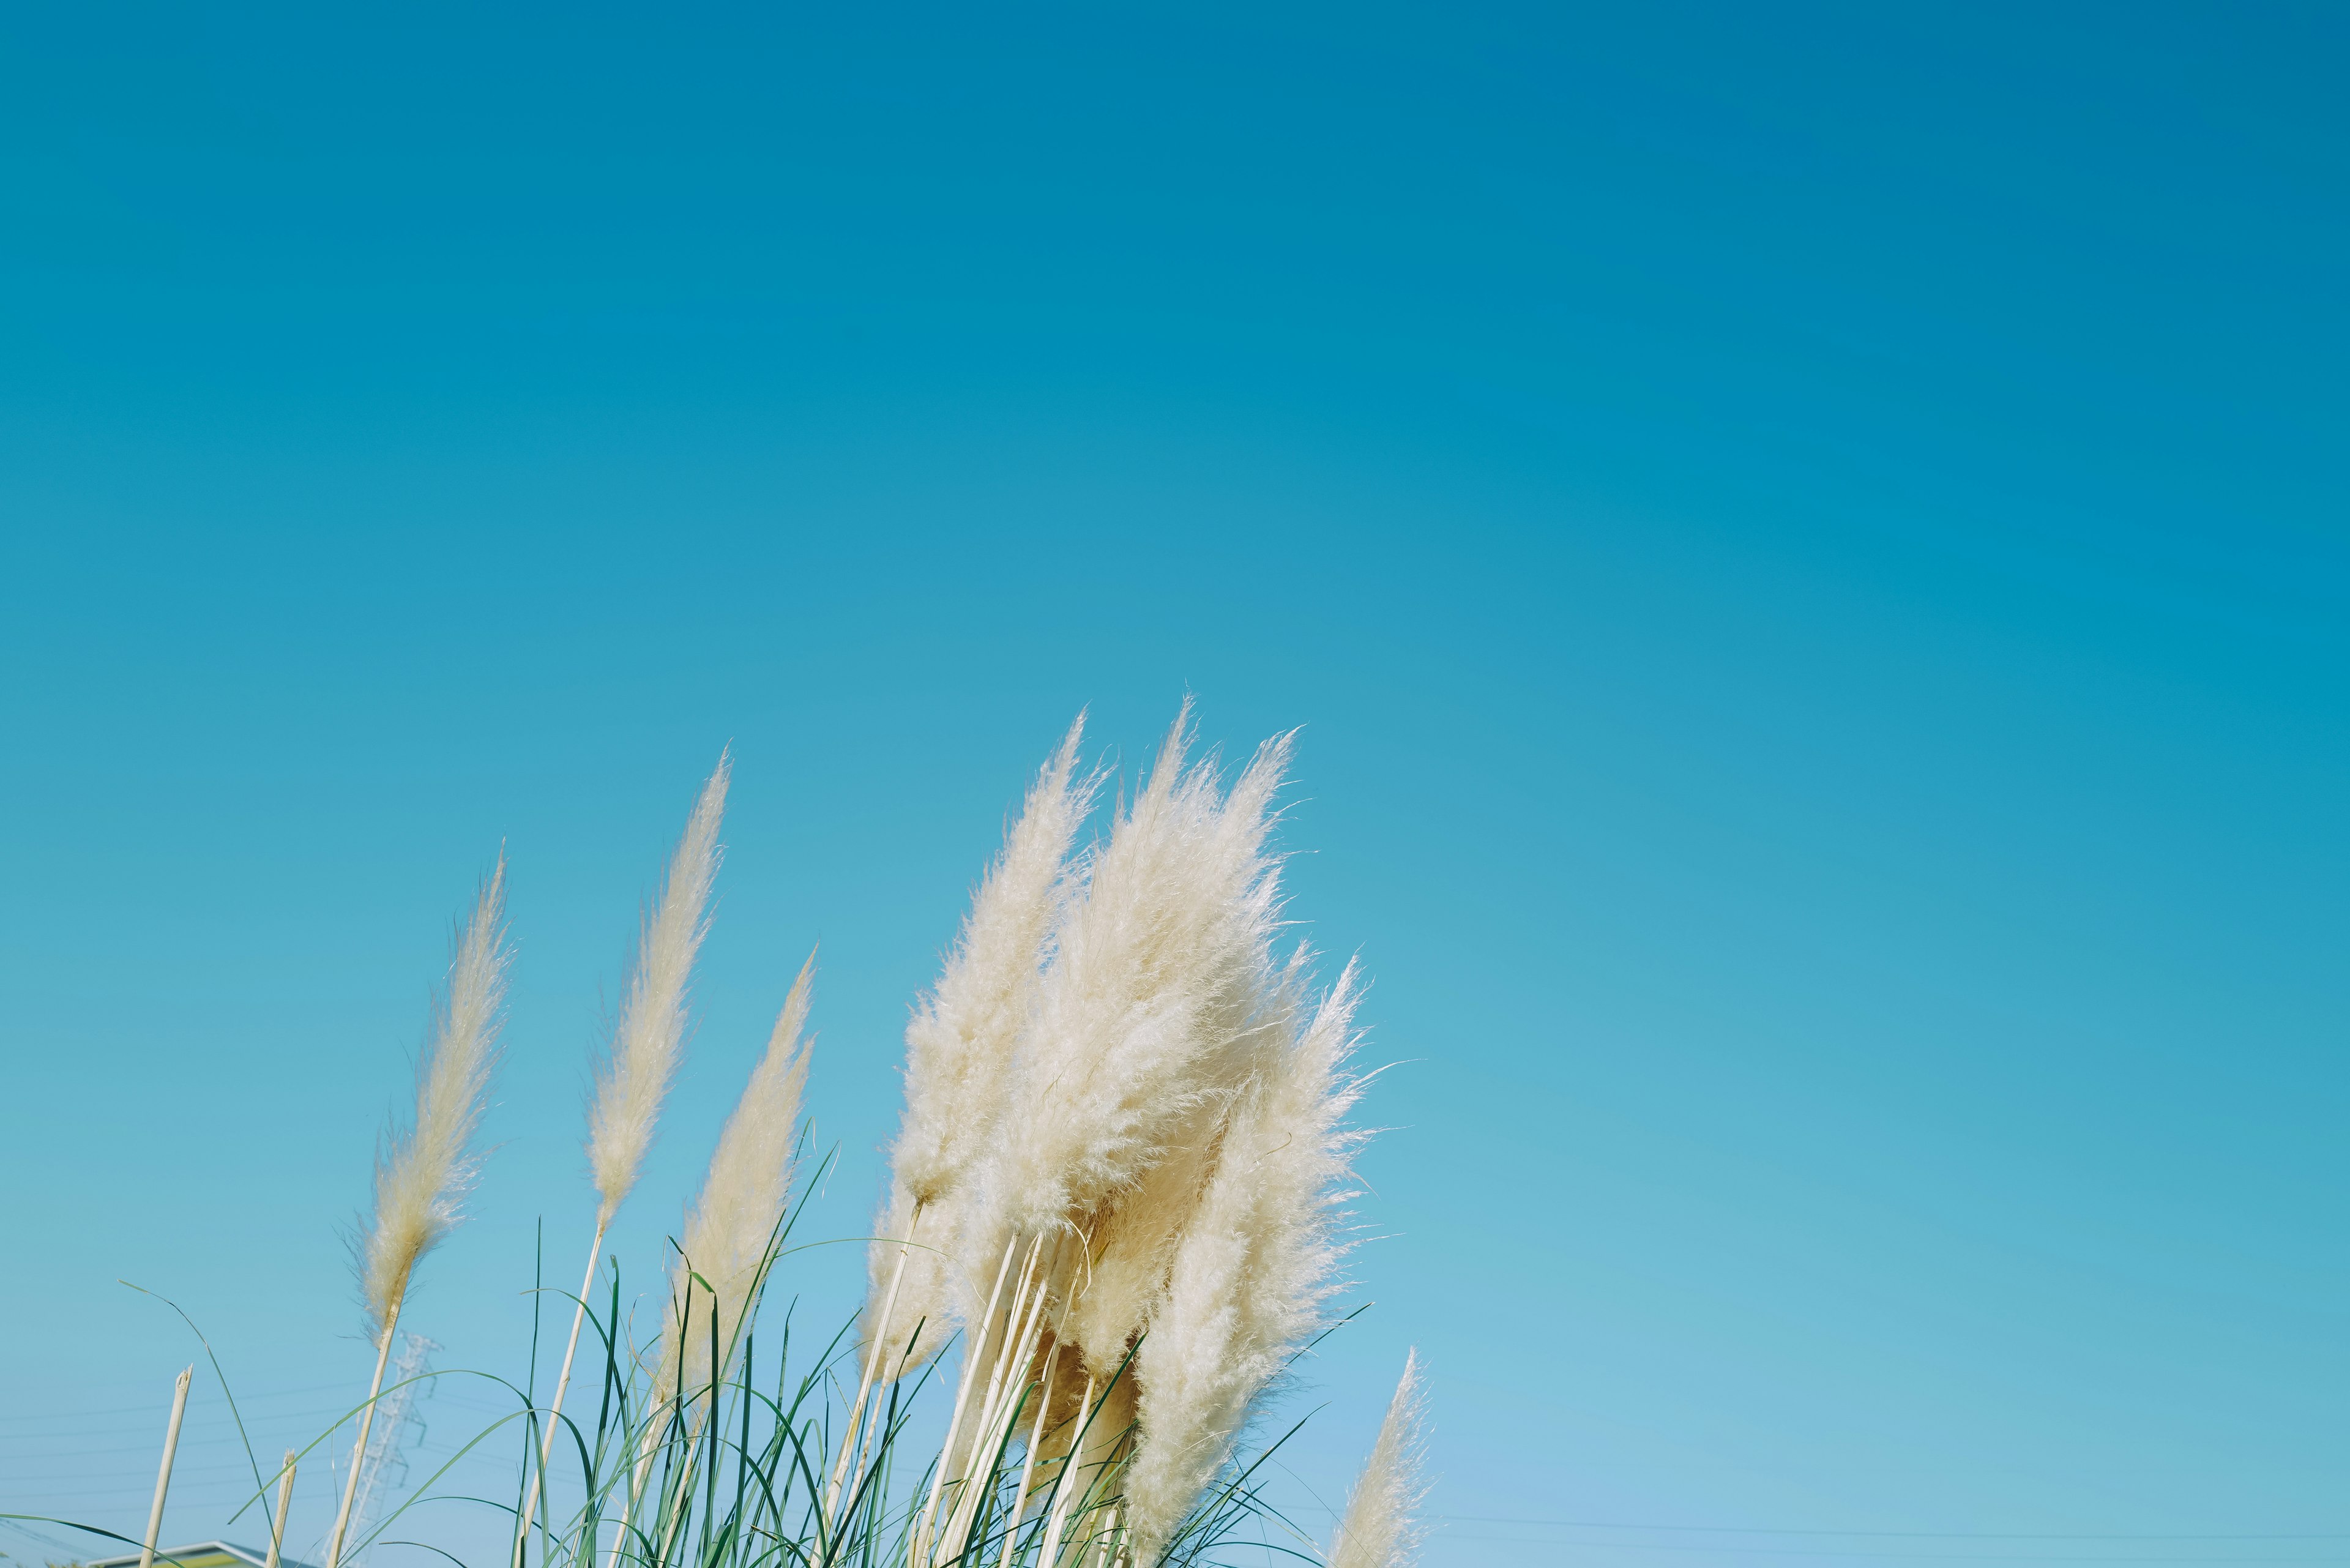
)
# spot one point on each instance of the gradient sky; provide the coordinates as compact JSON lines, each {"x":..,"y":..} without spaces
{"x":1807,"y":543}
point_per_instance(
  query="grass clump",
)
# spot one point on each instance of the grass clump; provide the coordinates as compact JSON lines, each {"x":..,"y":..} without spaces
{"x":1114,"y":1218}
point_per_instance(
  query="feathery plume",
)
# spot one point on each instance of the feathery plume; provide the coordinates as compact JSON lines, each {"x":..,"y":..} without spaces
{"x":1135,"y":1237}
{"x":651,"y":1030}
{"x":743,"y":1196}
{"x":1134,"y":1026}
{"x":959,"y":1058}
{"x":421,"y":1181}
{"x":958,"y":1044}
{"x":422,"y":1178}
{"x":1132,"y":1246}
{"x":1139,"y":1021}
{"x":1379,"y":1530}
{"x":1252,"y":1274}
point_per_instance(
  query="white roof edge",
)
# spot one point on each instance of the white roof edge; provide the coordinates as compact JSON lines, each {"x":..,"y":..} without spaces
{"x":163,"y":1556}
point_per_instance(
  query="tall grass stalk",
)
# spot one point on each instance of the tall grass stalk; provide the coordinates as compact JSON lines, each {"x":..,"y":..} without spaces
{"x":637,"y":1074}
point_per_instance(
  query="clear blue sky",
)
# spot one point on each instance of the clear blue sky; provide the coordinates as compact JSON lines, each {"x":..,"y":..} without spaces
{"x":1807,"y":542}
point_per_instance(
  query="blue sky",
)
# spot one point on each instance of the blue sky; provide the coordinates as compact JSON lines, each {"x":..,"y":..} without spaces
{"x":1806,"y":544}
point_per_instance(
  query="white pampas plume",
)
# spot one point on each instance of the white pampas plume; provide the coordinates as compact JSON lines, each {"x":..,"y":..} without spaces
{"x":1131,"y":1249}
{"x":1380,"y":1529}
{"x":1252,"y":1275}
{"x":1134,"y":1240}
{"x":1135,"y":1023}
{"x":958,"y":1044}
{"x":733,"y":1222}
{"x":424,"y":1175}
{"x":959,"y":1062}
{"x":646,"y":1045}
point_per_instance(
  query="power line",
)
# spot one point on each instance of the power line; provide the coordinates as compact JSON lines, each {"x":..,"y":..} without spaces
{"x":1884,"y":1556}
{"x":225,"y":1431}
{"x":158,"y":1407}
{"x":1883,"y":1534}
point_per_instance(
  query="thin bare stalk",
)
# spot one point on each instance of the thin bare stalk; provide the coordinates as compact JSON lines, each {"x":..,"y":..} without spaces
{"x":163,"y":1472}
{"x":1022,"y":1325}
{"x":872,"y":1366}
{"x":1114,"y":1542}
{"x":1036,"y":1430}
{"x":359,"y":1449}
{"x":555,"y":1406}
{"x":918,"y":1543}
{"x":284,"y":1500}
{"x":1057,"y":1505}
{"x":967,"y":1502}
{"x":1015,"y":1317}
{"x":1036,"y":1441}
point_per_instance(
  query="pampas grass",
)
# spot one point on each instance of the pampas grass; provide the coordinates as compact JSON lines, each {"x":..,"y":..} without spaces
{"x":1118,"y":1179}
{"x":1148,"y":1019}
{"x":1135,"y":1025}
{"x":1134,"y":1242}
{"x":424,"y":1175}
{"x":645,"y":1047}
{"x":732,"y":1230}
{"x":960,"y":1065}
{"x":959,"y":1046}
{"x":1252,"y":1271}
{"x":1379,"y":1529}
{"x":637,"y":1074}
{"x":733,"y":1223}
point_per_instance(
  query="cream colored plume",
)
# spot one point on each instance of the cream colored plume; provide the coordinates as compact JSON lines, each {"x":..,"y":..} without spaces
{"x":959,"y":1060}
{"x":1142,"y":1017}
{"x":651,"y":1033}
{"x":961,"y":1042}
{"x":1132,"y":1247}
{"x":733,"y":1224}
{"x":1252,"y":1273}
{"x":424,"y":1175}
{"x":1379,"y":1530}
{"x":1133,"y":1240}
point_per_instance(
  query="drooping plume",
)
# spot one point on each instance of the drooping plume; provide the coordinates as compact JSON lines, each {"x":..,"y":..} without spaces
{"x":1133,"y":1240}
{"x":422,"y":1176}
{"x":743,"y":1200}
{"x":1380,"y":1529}
{"x":651,"y":1033}
{"x":959,"y":1057}
{"x":1253,"y":1272}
